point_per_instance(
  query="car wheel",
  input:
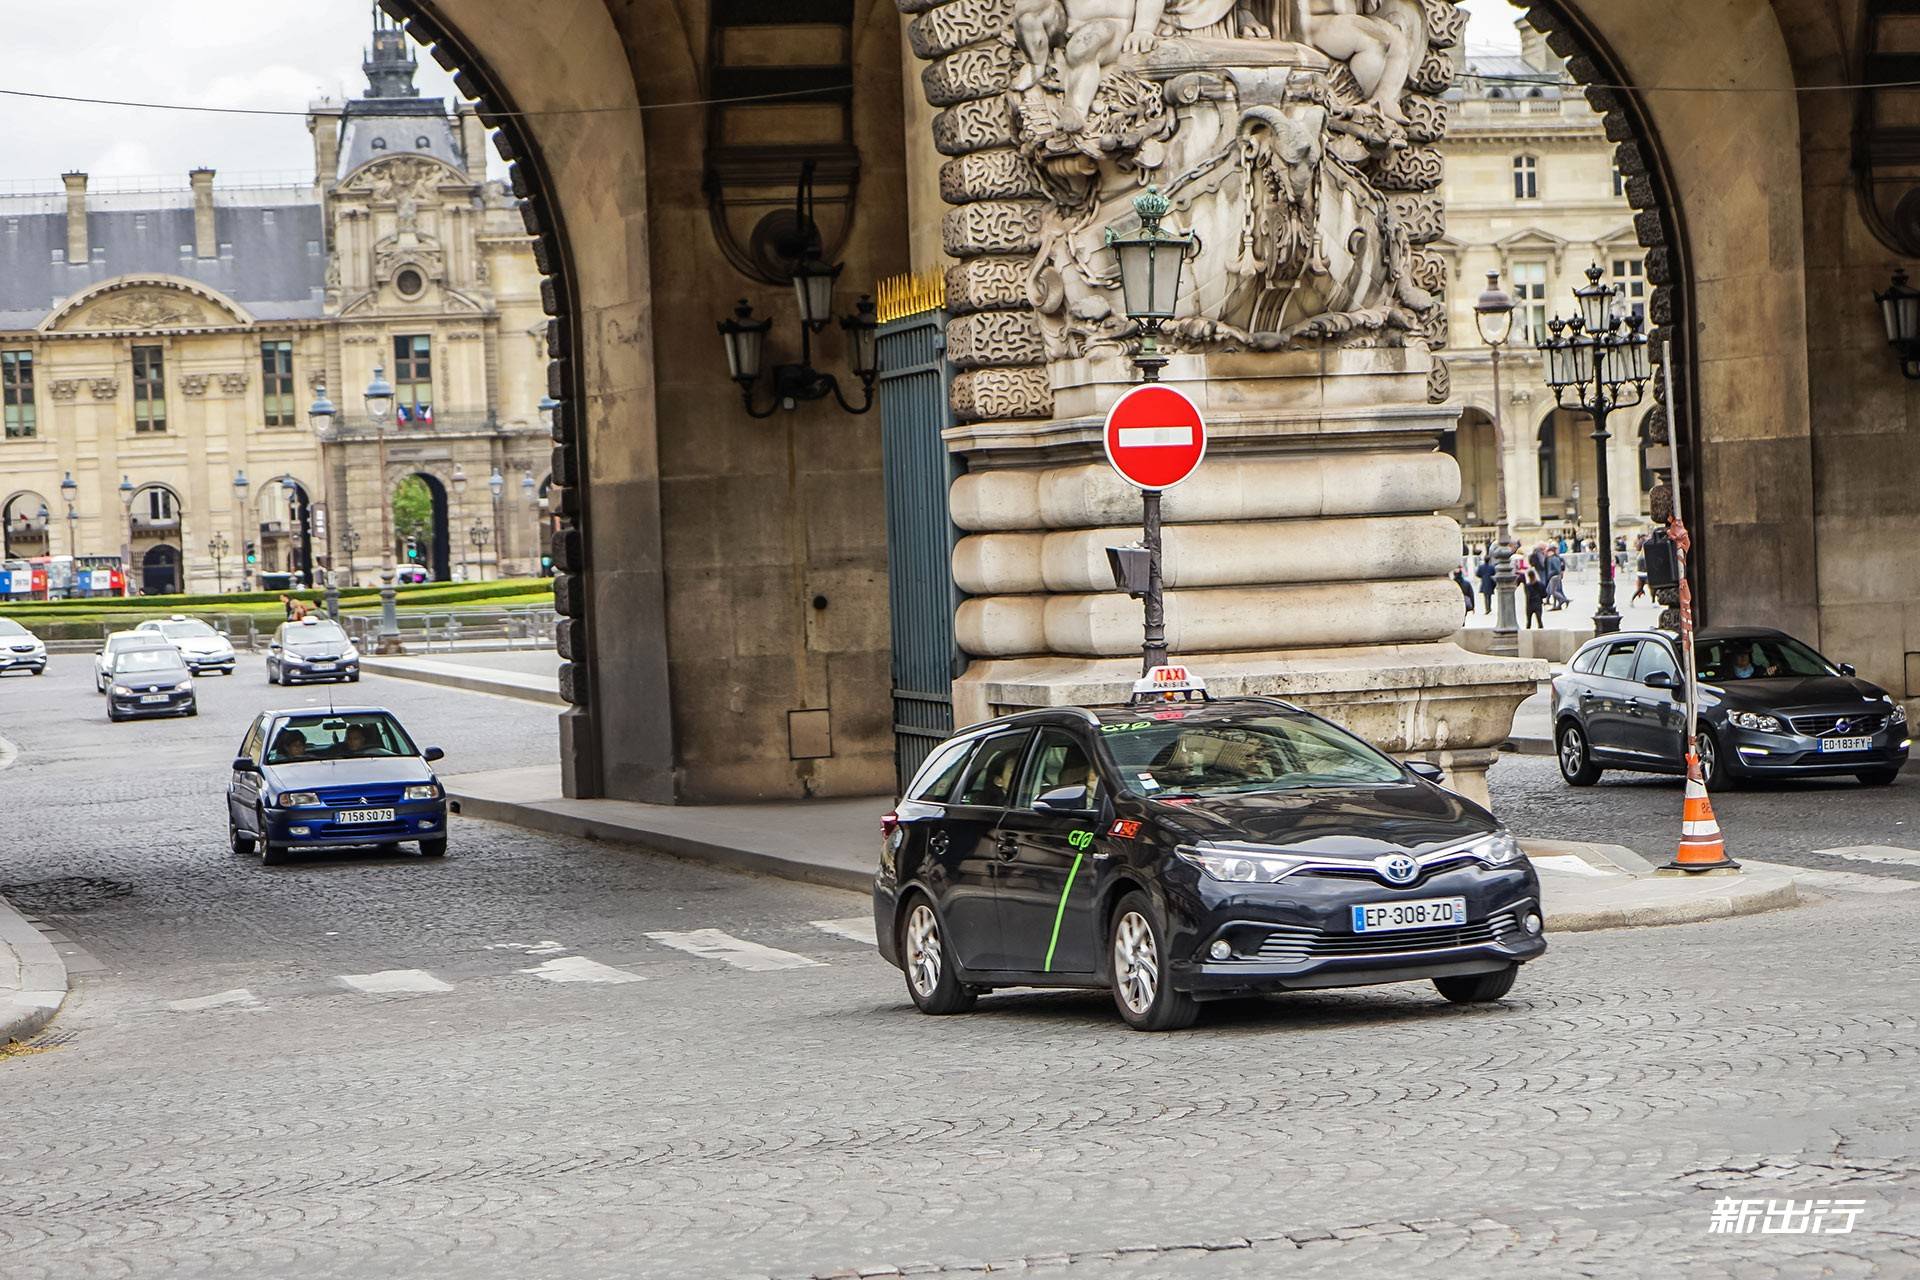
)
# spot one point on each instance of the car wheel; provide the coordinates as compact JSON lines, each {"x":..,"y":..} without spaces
{"x":274,"y":855}
{"x":1712,"y":771}
{"x":243,"y":845}
{"x":923,"y":954}
{"x":114,"y":716}
{"x":193,"y":709}
{"x":1576,"y":762}
{"x":354,"y":678}
{"x":1137,"y":958}
{"x":435,"y":848}
{"x":1478,"y":988}
{"x":1878,"y":777}
{"x":272,"y":677}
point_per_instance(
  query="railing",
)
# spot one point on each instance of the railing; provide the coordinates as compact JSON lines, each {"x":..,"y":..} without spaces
{"x":449,"y":630}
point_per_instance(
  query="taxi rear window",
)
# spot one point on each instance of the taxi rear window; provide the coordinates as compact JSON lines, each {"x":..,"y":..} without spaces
{"x":935,"y":780}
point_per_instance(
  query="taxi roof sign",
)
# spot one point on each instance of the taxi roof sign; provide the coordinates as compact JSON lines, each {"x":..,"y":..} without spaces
{"x":1168,"y":682}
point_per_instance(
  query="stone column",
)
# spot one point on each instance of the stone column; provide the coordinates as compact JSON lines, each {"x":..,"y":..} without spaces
{"x":1305,"y":558}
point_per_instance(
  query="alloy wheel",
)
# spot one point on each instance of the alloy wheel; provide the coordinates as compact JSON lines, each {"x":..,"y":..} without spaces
{"x":1136,"y":962}
{"x":1573,"y":751}
{"x":923,"y":950}
{"x":1709,"y":759}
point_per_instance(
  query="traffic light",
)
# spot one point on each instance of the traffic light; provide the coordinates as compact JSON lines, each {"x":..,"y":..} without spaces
{"x":252,"y":556}
{"x":413,"y":549}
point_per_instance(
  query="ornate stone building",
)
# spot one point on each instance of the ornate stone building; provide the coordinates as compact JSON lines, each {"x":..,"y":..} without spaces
{"x":161,"y":345}
{"x":1532,"y":192}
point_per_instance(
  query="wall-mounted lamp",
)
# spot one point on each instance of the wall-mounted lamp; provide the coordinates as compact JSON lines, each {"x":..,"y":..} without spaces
{"x":1900,"y":309}
{"x":746,"y":341}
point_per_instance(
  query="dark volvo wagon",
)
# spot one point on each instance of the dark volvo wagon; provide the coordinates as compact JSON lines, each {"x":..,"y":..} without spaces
{"x":1177,"y":852}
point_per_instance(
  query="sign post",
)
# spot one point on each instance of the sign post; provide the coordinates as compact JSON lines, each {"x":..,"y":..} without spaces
{"x":1155,"y":438}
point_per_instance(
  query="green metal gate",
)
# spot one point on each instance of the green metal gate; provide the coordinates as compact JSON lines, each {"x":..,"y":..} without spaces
{"x":920,"y":532}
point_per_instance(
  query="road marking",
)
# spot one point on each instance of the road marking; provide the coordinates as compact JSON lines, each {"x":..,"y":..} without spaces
{"x":394,"y":982}
{"x":8,"y":753}
{"x":238,"y":998}
{"x":1571,"y":865}
{"x":711,"y":944}
{"x":1839,"y":881}
{"x":547,"y":948}
{"x":1885,"y":854}
{"x":853,"y":928}
{"x":581,"y":969}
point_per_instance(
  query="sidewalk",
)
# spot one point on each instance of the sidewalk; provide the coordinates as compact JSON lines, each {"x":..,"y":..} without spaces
{"x":531,"y":674}
{"x":836,"y":843}
{"x":33,"y":977}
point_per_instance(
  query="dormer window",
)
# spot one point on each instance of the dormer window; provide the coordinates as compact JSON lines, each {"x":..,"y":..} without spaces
{"x":379,"y":144}
{"x":423,"y":142}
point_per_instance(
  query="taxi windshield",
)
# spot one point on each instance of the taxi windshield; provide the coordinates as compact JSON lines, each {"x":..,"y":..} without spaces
{"x":185,"y":630}
{"x":1206,"y":757}
{"x":365,"y":736}
{"x":316,"y":633}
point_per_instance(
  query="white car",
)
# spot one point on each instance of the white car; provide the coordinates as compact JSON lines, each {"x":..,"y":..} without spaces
{"x":116,"y":644}
{"x":20,"y":649}
{"x":203,"y":648}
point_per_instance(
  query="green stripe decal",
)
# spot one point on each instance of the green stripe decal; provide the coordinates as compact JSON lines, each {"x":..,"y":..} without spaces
{"x":1060,"y":911}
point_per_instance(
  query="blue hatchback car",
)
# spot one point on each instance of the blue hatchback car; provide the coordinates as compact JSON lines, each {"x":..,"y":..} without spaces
{"x":338,"y":777}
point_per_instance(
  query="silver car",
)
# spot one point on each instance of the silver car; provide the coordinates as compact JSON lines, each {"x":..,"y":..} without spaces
{"x":203,"y":648}
{"x":116,"y":644}
{"x":20,"y":649}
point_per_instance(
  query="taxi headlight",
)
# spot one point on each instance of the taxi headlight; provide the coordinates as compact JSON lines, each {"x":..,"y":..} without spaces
{"x":1497,"y":850}
{"x":295,"y":799}
{"x":1755,"y":721}
{"x":427,"y":792}
{"x":185,"y":686}
{"x":1236,"y":867}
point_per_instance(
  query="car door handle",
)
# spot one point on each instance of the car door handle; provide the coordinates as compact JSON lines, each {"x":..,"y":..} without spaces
{"x":1008,"y":847}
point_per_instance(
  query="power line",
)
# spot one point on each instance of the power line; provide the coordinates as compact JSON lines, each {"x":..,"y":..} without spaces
{"x":1545,"y":82}
{"x":523,"y":115}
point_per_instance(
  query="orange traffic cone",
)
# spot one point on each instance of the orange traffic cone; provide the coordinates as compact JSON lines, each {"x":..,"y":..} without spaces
{"x":1701,"y":845}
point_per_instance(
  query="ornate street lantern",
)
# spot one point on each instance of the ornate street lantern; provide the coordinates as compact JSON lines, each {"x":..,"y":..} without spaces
{"x":1900,"y":311}
{"x":1151,"y":260}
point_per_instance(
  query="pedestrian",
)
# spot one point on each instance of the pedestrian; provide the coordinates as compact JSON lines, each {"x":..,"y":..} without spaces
{"x":1557,"y":580}
{"x":1486,"y":573}
{"x":1537,"y":560}
{"x":1466,"y":588}
{"x":1536,"y":597}
{"x":297,"y":609}
{"x":286,"y":603}
{"x":1640,"y":569}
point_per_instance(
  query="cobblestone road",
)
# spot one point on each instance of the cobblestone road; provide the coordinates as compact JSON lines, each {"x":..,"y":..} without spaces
{"x":560,"y":1083}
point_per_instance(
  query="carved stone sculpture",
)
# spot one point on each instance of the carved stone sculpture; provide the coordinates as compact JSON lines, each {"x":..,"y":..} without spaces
{"x":1291,"y":136}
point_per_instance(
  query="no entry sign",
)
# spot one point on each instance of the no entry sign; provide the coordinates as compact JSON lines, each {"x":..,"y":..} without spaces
{"x":1155,"y":437}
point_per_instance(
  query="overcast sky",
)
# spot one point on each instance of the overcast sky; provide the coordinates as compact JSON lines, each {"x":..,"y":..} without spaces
{"x":274,"y":54}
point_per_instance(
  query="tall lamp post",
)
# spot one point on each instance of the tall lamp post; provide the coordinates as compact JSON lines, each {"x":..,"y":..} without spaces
{"x":460,"y":516}
{"x":240,"y":518}
{"x":1493,"y":315}
{"x":320,"y":416}
{"x":479,"y":535}
{"x":526,"y":494}
{"x":1597,"y":361}
{"x":1151,"y":260}
{"x":379,"y":401}
{"x":126,"y":507}
{"x":69,"y":491}
{"x":497,"y":485}
{"x":217,"y":547}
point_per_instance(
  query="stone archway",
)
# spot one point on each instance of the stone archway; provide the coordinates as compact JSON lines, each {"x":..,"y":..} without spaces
{"x":24,"y":523}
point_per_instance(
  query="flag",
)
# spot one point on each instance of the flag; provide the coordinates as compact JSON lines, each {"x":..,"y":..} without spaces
{"x":426,"y":413}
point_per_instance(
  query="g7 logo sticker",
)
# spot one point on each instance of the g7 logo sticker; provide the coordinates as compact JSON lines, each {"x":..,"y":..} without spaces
{"x":1080,"y":839}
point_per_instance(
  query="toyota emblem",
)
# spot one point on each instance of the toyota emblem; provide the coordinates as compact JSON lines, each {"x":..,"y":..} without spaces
{"x":1396,"y":868}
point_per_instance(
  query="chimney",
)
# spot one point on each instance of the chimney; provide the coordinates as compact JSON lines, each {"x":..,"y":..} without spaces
{"x":473,"y":142}
{"x":323,"y":122}
{"x":77,"y":250}
{"x":205,"y":241}
{"x":1534,"y":50}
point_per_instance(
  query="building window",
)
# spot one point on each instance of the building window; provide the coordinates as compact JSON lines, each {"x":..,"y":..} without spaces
{"x":16,"y":388}
{"x":379,"y":144}
{"x":1526,"y":178}
{"x":1530,"y":299}
{"x":276,"y":383}
{"x":1619,"y":182}
{"x":1549,"y":459}
{"x":160,"y":505}
{"x":149,"y":390}
{"x":413,"y":378}
{"x":1630,"y":285}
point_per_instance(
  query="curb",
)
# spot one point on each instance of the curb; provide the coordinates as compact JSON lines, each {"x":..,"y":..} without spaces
{"x":1741,"y":901}
{"x":1528,"y":746}
{"x":33,"y":977}
{"x":472,"y":682}
{"x":688,"y":848}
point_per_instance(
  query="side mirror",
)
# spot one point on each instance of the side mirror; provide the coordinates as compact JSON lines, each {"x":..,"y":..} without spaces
{"x":1063,"y":800}
{"x":1427,"y":770}
{"x":245,"y":764}
{"x":1846,"y":669}
{"x":433,"y":753}
{"x":1662,"y":680}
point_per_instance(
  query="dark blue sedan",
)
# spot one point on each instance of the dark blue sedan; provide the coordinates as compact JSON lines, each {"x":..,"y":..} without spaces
{"x":346,"y":776}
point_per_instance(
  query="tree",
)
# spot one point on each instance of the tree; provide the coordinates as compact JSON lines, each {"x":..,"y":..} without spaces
{"x":413,"y":511}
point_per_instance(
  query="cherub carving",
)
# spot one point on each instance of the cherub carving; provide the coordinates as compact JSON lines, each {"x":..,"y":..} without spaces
{"x":1378,"y":51}
{"x":1092,"y":35}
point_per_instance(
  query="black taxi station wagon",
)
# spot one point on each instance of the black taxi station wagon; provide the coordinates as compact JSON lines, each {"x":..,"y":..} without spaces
{"x":1180,"y":849}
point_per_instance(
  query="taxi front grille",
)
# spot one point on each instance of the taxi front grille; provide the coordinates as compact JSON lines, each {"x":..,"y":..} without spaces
{"x":1297,"y":944}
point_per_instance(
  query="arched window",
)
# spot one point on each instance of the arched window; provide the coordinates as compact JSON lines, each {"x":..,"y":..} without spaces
{"x":1526,"y":178}
{"x":379,"y":144}
{"x":1496,"y":93}
{"x":423,"y":142}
